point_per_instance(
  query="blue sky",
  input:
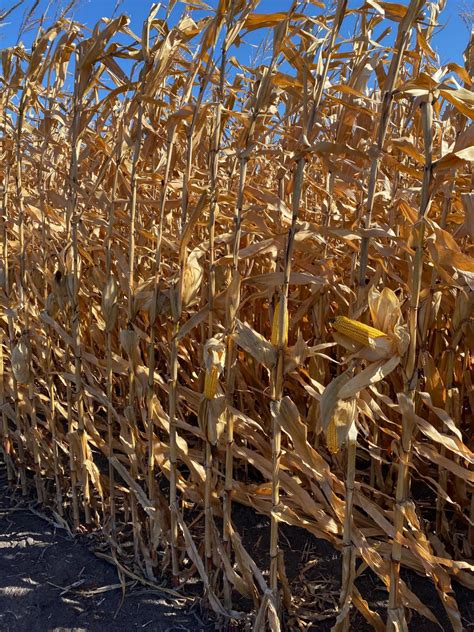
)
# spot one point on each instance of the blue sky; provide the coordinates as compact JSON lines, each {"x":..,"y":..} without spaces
{"x":449,"y":42}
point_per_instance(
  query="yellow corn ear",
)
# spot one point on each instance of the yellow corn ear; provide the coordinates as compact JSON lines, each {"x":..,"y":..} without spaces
{"x":265,"y":489}
{"x":331,"y":437}
{"x":210,"y":383}
{"x":275,"y":339}
{"x":353,"y":329}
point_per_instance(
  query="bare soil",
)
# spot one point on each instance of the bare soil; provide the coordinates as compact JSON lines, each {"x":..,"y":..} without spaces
{"x":51,"y":582}
{"x":313,"y":569}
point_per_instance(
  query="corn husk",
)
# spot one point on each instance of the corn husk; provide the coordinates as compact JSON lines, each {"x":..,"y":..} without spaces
{"x":21,"y":360}
{"x":109,"y":303}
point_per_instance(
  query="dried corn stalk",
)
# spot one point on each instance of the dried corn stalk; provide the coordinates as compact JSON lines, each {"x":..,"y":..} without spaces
{"x":183,"y":236}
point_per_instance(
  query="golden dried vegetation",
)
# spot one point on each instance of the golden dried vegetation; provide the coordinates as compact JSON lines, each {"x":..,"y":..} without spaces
{"x":229,"y":285}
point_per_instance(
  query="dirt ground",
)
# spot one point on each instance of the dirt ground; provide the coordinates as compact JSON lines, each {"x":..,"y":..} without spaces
{"x":50,"y":582}
{"x":313,"y":569}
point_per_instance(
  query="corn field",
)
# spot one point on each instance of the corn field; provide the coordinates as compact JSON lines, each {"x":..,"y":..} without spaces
{"x":228,"y":286}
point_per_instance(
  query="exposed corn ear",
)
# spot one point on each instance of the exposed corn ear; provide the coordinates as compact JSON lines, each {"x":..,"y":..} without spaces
{"x":355,"y":330}
{"x":210,"y":383}
{"x":265,"y":489}
{"x":275,"y":339}
{"x":214,"y":361}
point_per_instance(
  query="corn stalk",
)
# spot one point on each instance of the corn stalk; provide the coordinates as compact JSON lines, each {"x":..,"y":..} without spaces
{"x":402,"y":41}
{"x":396,"y":615}
{"x":74,"y":218}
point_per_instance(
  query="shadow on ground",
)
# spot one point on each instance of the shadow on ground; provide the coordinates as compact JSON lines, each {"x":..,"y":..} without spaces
{"x":50,"y":582}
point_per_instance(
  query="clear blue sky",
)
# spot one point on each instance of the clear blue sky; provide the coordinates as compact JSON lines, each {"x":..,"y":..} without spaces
{"x":449,"y":42}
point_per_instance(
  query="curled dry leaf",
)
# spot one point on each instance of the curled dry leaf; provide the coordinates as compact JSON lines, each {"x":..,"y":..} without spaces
{"x":296,"y":355}
{"x":255,"y":344}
